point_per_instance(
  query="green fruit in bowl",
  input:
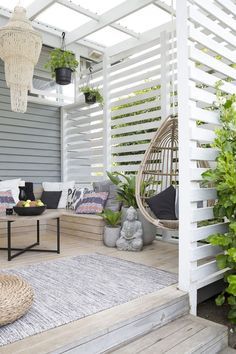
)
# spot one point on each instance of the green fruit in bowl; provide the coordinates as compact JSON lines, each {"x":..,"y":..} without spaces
{"x":39,"y":203}
{"x":26,"y":205}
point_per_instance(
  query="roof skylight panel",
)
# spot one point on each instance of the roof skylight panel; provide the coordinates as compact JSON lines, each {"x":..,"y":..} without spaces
{"x":62,"y":17}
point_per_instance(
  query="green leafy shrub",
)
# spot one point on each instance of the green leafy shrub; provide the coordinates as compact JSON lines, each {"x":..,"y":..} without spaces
{"x":61,"y":59}
{"x":93,"y":92}
{"x":112,"y":218}
{"x":224,"y":179}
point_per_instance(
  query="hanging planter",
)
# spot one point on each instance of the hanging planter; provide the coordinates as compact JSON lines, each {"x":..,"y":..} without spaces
{"x":92,"y":95}
{"x":62,"y":63}
{"x":63,"y":76}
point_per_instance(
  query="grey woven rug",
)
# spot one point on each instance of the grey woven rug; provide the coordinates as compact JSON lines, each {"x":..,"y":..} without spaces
{"x":72,"y":288}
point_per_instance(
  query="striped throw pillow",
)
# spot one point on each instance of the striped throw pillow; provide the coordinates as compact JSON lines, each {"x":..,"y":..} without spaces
{"x":92,"y":203}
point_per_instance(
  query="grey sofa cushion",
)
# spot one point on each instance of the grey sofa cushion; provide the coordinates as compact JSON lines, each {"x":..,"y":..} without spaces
{"x":107,"y":186}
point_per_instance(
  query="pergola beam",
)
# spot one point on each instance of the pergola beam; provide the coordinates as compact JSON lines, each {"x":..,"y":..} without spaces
{"x":145,"y":37}
{"x":34,"y":9}
{"x":164,"y":7}
{"x":124,"y":9}
{"x":96,"y":17}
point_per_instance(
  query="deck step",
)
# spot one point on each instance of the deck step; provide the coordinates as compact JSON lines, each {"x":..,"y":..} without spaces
{"x":185,"y":335}
{"x":124,"y":323}
{"x":228,"y":351}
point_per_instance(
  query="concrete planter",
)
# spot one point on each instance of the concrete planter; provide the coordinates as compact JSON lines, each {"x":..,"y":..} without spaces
{"x":149,"y":230}
{"x":111,"y":235}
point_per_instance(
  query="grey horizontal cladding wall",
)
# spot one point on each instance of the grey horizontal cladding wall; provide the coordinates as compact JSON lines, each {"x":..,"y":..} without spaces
{"x":29,"y":142}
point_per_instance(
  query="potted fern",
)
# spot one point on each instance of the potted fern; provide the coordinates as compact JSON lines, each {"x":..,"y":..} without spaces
{"x":112,"y":227}
{"x":92,"y":95}
{"x":62,"y":63}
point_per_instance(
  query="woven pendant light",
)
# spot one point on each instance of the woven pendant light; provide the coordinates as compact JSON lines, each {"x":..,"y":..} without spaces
{"x":20,"y":47}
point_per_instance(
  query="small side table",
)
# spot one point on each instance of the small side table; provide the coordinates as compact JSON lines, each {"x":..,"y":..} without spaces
{"x":48,"y":214}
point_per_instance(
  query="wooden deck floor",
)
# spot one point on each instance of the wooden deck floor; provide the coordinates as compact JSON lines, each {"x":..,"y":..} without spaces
{"x":159,"y":254}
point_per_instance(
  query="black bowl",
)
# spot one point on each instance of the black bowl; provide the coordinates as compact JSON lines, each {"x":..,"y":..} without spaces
{"x":30,"y":211}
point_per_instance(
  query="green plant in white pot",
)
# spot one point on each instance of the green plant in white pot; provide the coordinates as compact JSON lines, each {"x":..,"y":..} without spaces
{"x":126,"y":194}
{"x":112,"y":227}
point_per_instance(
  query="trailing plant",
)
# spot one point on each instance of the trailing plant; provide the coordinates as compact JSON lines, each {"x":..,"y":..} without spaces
{"x":223,"y":176}
{"x":126,"y":188}
{"x":111,"y":218}
{"x":61,"y":59}
{"x":93,"y":92}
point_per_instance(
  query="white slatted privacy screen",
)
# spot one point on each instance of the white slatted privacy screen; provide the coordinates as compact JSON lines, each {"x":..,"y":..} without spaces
{"x":137,"y":96}
{"x":140,"y":98}
{"x":83,"y":137}
{"x":207,"y":45}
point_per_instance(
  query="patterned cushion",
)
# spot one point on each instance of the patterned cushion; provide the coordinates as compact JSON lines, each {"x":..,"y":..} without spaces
{"x":75,"y":195}
{"x":92,"y":203}
{"x":107,"y":186}
{"x":6,"y":201}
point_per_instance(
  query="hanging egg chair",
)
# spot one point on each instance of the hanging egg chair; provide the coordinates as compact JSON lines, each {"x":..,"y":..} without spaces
{"x":160,"y":166}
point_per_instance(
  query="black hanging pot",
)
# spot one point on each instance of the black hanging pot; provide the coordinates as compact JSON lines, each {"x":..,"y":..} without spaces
{"x":63,"y":76}
{"x":90,"y":98}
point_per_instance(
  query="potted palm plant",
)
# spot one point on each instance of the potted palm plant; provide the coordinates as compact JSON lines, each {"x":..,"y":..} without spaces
{"x":92,"y":95}
{"x":62,"y":63}
{"x":112,"y":227}
{"x":126,"y":194}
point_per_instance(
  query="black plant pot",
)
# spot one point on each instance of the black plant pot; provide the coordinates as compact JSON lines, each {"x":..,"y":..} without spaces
{"x":63,"y":76}
{"x":90,"y":98}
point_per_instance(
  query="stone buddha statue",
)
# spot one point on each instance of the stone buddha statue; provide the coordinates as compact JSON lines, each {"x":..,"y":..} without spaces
{"x":131,"y":233}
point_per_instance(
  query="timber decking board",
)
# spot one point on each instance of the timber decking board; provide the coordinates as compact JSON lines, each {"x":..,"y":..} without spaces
{"x":159,"y":254}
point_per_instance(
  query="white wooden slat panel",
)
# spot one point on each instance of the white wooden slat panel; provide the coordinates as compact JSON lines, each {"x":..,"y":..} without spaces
{"x":137,"y":69}
{"x":199,"y":194}
{"x":204,"y":271}
{"x":203,"y":135}
{"x":217,"y":12}
{"x":135,"y":128}
{"x":136,"y":98}
{"x":211,"y":25}
{"x":208,"y":42}
{"x":135,"y":108}
{"x":205,"y":231}
{"x":132,"y":89}
{"x":208,"y":154}
{"x":210,"y":279}
{"x":206,"y":116}
{"x":128,"y":158}
{"x":211,"y":62}
{"x":140,"y":77}
{"x":229,"y":5}
{"x":132,"y":138}
{"x":126,"y":168}
{"x":196,"y":173}
{"x":210,"y":80}
{"x":129,"y":148}
{"x":204,"y":251}
{"x":200,"y":95}
{"x":130,"y":62}
{"x":137,"y":118}
{"x":202,"y":214}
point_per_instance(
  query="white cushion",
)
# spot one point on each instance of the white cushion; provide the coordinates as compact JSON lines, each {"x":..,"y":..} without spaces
{"x":59,"y":186}
{"x":13,"y":186}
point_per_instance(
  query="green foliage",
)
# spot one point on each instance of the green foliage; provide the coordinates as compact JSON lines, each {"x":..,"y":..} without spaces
{"x":126,"y":188}
{"x":61,"y":59}
{"x":93,"y":92}
{"x":223,"y":176}
{"x":112,"y":218}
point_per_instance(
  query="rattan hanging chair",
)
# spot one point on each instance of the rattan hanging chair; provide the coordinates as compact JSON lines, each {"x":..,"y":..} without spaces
{"x":160,"y":166}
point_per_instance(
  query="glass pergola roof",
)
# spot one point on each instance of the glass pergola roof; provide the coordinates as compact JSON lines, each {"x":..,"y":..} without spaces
{"x":91,"y":22}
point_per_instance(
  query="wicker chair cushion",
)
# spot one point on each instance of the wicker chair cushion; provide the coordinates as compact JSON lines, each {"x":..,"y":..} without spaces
{"x":163,"y":204}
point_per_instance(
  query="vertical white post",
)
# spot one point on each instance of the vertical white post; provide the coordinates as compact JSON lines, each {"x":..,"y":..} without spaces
{"x":107,"y":115}
{"x":165,"y":77}
{"x":184,"y":154}
{"x":63,"y":146}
